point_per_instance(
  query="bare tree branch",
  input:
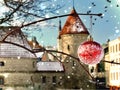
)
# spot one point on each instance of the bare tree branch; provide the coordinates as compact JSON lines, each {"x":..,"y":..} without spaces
{"x":35,"y":15}
{"x":10,"y":15}
{"x":45,"y":19}
{"x":17,"y":45}
{"x":17,"y":29}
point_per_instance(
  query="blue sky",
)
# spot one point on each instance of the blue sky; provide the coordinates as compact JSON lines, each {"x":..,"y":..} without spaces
{"x":103,"y":29}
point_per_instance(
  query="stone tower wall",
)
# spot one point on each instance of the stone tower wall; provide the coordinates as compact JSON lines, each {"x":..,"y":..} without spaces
{"x":74,"y":72}
{"x":71,"y":42}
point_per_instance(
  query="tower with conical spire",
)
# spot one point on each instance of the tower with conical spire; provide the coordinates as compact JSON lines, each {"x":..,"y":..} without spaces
{"x":72,"y":34}
{"x":70,"y":37}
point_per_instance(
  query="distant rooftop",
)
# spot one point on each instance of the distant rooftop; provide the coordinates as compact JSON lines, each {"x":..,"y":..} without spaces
{"x":8,"y":49}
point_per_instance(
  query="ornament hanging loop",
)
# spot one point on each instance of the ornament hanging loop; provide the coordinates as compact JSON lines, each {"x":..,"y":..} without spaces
{"x":89,"y":38}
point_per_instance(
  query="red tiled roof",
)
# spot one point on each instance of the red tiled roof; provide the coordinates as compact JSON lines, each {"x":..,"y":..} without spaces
{"x":34,"y":45}
{"x":74,"y":25}
{"x":45,"y":57}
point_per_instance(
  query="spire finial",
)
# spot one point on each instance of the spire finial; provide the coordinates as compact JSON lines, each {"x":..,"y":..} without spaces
{"x":59,"y":24}
{"x":73,"y":5}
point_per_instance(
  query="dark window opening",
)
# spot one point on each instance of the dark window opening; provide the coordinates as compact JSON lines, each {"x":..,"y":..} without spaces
{"x":100,"y":67}
{"x":92,"y":70}
{"x":1,"y":80}
{"x":2,"y":63}
{"x":54,"y":79}
{"x":68,"y":47}
{"x":39,"y":59}
{"x":106,"y":50}
{"x":74,"y":64}
{"x":43,"y":79}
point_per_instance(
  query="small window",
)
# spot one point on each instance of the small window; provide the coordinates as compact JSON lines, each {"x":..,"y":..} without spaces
{"x":54,"y":79}
{"x":73,"y":63}
{"x":68,"y":47}
{"x":39,"y":86}
{"x":2,"y":63}
{"x":1,"y":80}
{"x":106,"y":50}
{"x":39,"y":59}
{"x":43,"y":79}
{"x":92,"y":69}
{"x":100,"y":67}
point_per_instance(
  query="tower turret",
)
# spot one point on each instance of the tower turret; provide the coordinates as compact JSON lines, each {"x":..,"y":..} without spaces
{"x":72,"y":34}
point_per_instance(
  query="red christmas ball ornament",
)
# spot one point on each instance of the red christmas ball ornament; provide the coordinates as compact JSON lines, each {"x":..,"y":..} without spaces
{"x":90,"y":52}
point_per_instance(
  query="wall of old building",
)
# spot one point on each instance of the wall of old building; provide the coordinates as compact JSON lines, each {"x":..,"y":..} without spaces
{"x":22,"y":74}
{"x":113,"y":69}
{"x":75,"y":74}
{"x":71,"y":42}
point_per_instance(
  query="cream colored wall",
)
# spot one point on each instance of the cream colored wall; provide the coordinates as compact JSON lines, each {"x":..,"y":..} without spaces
{"x":72,"y":66}
{"x":17,"y":79}
{"x":59,"y":43}
{"x":15,"y":64}
{"x":73,"y":40}
{"x":27,"y":80}
{"x":21,"y":74}
{"x":107,"y":68}
{"x":107,"y":65}
{"x":114,"y":69}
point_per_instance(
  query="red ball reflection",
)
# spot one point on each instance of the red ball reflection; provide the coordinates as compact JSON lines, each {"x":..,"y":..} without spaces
{"x":90,"y":52}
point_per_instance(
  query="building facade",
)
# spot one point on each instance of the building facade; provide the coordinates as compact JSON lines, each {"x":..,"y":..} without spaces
{"x":113,"y":69}
{"x":19,"y":69}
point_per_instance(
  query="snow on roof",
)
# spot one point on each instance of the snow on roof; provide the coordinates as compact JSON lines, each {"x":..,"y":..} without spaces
{"x":74,"y":25}
{"x":16,"y":37}
{"x":50,"y":66}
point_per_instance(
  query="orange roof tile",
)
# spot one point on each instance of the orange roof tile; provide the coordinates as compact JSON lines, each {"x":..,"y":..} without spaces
{"x":45,"y":57}
{"x":34,"y":45}
{"x":74,"y":25}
